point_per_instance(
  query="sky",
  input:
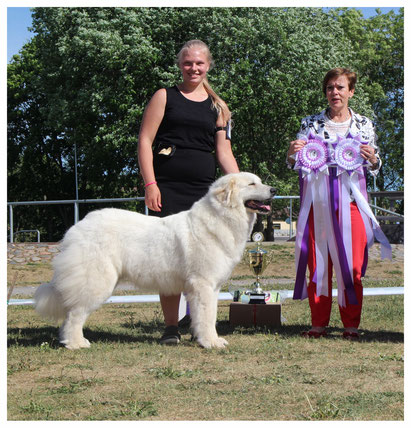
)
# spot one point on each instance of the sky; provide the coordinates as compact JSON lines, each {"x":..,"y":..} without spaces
{"x":19,"y":20}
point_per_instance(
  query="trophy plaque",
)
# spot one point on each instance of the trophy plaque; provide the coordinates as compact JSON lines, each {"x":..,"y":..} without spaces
{"x":258,"y":313}
{"x":257,"y":262}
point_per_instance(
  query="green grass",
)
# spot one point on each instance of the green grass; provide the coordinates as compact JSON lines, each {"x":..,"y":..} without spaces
{"x":262,"y":375}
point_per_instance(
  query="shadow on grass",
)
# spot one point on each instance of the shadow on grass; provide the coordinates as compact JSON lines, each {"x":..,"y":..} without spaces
{"x":287,"y":331}
{"x":37,"y":336}
{"x":145,"y":332}
{"x":30,"y":336}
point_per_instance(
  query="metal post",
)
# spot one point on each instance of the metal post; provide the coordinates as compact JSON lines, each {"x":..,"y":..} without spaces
{"x":75,"y":169}
{"x":291,"y":218}
{"x":375,"y":198}
{"x":76,"y":206}
{"x":76,"y":212}
{"x":11,"y":223}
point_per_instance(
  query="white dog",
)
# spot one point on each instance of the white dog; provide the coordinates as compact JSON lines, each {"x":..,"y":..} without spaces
{"x":193,"y":252}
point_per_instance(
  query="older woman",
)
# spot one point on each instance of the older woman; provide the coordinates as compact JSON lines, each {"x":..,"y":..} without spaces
{"x":332,"y":152}
{"x":186,"y":125}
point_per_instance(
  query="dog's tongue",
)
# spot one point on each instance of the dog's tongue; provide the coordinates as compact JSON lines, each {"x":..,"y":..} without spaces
{"x":259,"y":205}
{"x":265,"y":207}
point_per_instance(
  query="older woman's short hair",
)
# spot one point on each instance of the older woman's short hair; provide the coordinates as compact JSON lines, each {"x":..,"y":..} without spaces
{"x":340,"y":71}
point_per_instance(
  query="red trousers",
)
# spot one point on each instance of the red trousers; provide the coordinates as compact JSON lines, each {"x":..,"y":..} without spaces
{"x":321,"y":305}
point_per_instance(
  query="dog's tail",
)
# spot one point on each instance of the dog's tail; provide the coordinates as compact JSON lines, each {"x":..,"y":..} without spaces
{"x":48,"y":302}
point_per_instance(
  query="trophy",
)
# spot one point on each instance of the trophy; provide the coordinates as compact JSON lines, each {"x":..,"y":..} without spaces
{"x":258,"y":262}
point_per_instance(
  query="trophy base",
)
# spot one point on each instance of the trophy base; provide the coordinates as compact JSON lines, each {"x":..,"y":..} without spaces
{"x":257,"y":299}
{"x":254,"y":315}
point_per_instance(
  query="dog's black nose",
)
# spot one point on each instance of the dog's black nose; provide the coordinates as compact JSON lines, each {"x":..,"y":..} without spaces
{"x":273,"y":191}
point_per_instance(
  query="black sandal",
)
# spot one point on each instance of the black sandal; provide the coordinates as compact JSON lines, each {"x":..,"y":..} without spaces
{"x":171,"y":336}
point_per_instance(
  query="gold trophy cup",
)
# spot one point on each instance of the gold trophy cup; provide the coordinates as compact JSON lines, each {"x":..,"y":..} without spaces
{"x":258,"y":263}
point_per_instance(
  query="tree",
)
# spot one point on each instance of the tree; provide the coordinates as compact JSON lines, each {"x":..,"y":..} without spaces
{"x":37,"y":162}
{"x":379,"y":45}
{"x":89,"y":72}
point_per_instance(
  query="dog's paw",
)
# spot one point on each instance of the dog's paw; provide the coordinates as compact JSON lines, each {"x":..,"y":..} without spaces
{"x":217,"y":342}
{"x":220,"y":343}
{"x":76,"y":345}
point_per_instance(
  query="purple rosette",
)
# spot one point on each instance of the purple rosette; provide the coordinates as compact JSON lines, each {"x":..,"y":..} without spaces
{"x":347,"y":154}
{"x":313,"y":156}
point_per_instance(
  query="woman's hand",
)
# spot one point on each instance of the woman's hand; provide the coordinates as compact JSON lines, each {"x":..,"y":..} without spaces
{"x":368,"y":153}
{"x":295,"y":146}
{"x":153,"y":197}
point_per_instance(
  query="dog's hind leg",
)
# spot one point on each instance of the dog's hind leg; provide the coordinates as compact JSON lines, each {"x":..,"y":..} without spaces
{"x":80,"y":305}
{"x":71,"y":331}
{"x":203,"y":309}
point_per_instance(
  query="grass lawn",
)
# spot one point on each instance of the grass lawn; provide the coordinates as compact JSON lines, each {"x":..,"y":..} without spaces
{"x":261,"y":375}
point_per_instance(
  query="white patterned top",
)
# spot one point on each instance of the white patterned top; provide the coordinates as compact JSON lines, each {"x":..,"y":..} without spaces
{"x":317,"y":124}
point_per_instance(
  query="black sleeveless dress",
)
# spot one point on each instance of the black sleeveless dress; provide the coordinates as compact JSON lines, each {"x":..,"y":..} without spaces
{"x":184,"y":161}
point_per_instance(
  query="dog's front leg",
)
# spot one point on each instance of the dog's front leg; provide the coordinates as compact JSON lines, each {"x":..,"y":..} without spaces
{"x":203,"y":309}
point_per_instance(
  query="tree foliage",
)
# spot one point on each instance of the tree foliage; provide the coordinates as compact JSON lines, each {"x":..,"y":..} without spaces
{"x":379,"y":46}
{"x":88,"y":73}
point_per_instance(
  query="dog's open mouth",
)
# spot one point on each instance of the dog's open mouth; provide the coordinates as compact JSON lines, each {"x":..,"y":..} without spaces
{"x":258,"y":206}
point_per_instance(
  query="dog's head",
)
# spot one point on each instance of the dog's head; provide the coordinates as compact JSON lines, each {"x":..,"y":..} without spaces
{"x":244,"y":189}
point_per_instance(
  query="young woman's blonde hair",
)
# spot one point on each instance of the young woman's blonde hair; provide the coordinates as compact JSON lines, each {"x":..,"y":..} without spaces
{"x":218,"y":102}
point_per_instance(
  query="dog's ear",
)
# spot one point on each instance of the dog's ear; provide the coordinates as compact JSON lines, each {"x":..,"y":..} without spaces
{"x":227,"y":194}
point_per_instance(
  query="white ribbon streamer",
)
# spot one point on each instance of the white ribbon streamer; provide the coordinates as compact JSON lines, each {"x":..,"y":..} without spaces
{"x":321,"y":216}
{"x":345,"y":218}
{"x":378,"y":233}
{"x":355,"y":182}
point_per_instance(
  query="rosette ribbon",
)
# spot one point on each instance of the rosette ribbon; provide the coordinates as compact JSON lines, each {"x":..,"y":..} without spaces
{"x":351,"y":175}
{"x":326,"y":191}
{"x":312,"y":161}
{"x":313,"y":157}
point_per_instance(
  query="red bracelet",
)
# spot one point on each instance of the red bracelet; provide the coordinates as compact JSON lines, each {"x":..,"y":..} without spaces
{"x":149,"y":184}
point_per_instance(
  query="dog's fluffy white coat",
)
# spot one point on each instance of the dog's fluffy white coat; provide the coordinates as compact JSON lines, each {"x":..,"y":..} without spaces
{"x":192,"y":252}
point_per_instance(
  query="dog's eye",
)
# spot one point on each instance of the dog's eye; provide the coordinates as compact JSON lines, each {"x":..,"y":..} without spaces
{"x":252,"y":184}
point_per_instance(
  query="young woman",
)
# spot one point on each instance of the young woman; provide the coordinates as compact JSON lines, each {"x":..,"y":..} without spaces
{"x":183,"y":134}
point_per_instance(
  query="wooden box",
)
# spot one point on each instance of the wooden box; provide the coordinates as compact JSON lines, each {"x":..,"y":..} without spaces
{"x":251,"y":315}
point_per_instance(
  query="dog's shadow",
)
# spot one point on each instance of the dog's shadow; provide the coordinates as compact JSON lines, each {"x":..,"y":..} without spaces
{"x":39,"y":336}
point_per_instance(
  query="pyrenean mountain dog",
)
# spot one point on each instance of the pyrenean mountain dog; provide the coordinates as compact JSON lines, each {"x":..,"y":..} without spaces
{"x":193,"y":252}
